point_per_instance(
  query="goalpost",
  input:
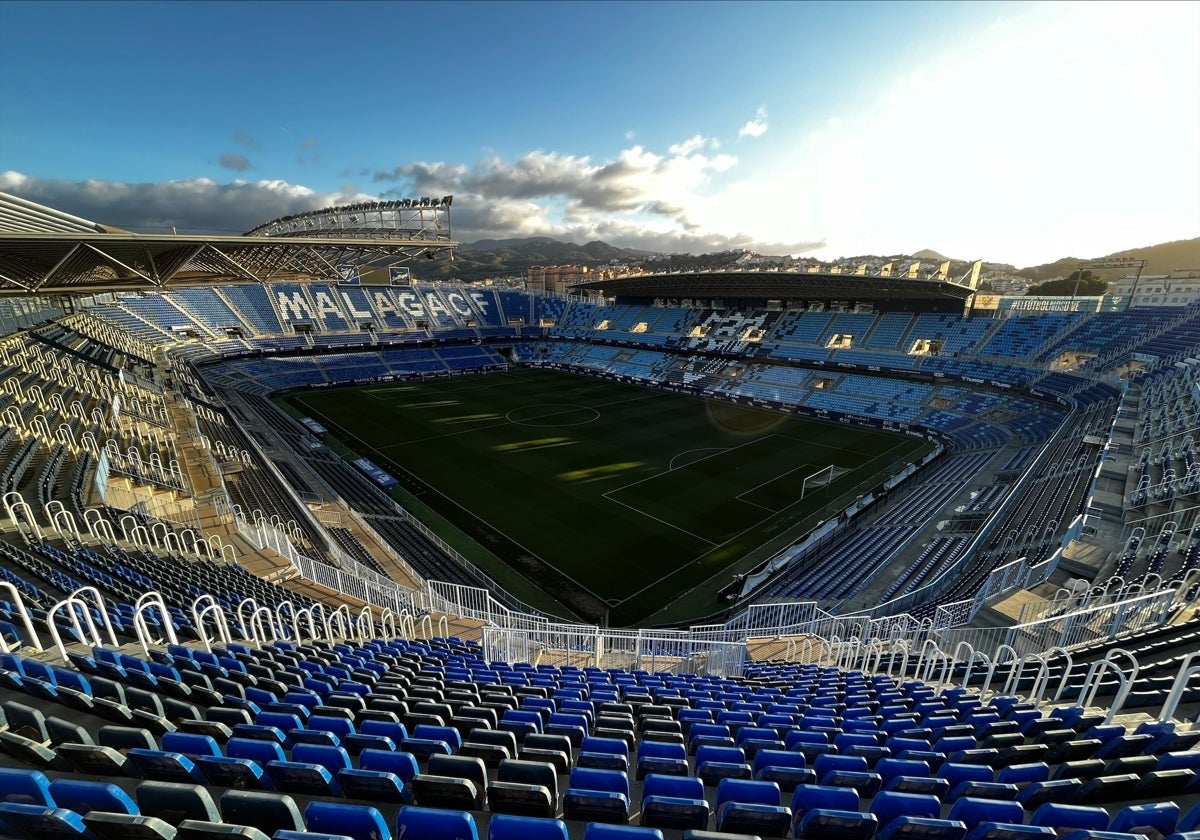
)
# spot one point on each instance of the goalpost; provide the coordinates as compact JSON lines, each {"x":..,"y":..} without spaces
{"x":822,"y":478}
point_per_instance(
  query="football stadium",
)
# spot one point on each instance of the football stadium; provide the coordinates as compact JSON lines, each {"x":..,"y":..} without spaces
{"x":297,"y":545}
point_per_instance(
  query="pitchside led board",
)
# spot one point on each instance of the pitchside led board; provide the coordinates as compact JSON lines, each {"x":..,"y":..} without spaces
{"x":1012,"y":304}
{"x":348,"y":275}
{"x":401,"y":275}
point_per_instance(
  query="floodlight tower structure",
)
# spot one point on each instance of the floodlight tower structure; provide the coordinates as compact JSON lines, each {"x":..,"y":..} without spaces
{"x":410,"y":228}
{"x":1121,"y":262}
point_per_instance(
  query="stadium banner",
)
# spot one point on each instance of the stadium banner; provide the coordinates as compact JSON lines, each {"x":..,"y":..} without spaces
{"x":375,"y":473}
{"x":348,"y":275}
{"x":986,"y":302}
{"x":400,"y":275}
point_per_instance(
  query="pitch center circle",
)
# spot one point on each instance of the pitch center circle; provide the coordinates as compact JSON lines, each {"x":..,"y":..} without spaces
{"x":552,"y":414}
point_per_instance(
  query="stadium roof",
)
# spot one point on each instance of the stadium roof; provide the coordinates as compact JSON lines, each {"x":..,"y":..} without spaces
{"x":45,"y":251}
{"x":780,"y":285}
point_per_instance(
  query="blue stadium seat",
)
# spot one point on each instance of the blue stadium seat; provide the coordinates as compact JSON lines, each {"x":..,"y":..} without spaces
{"x":786,"y":769}
{"x":1161,"y":817}
{"x":674,"y":802}
{"x":1064,"y":818}
{"x":889,"y":805}
{"x":513,"y":827}
{"x":603,"y":754}
{"x":260,"y":751}
{"x":361,"y":822}
{"x":417,"y":823}
{"x":82,"y":796}
{"x":714,"y":763}
{"x":974,"y":812}
{"x":1191,"y":820}
{"x":25,"y":787}
{"x":190,"y":744}
{"x":661,"y":759}
{"x":332,"y":759}
{"x":1023,"y":775}
{"x":597,"y":795}
{"x":751,"y":807}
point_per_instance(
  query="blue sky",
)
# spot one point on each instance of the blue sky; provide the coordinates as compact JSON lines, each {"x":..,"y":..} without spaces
{"x":977,"y":129}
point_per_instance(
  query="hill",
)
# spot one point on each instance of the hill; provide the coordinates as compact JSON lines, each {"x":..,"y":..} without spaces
{"x":508,"y":257}
{"x":1160,"y":259}
{"x":504,"y":257}
{"x":929,"y":254}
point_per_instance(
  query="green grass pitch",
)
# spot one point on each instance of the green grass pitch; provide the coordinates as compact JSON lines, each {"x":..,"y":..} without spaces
{"x":615,"y":499}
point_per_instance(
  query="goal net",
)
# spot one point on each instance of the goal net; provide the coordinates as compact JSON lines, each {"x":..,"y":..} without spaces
{"x":822,"y":478}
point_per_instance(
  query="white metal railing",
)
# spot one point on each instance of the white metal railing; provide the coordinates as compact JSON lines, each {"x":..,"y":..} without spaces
{"x":1091,"y":624}
{"x":589,"y":645}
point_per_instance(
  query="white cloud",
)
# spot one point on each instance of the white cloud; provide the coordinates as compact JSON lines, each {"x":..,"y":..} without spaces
{"x":692,"y":144}
{"x":640,"y":196}
{"x":196,"y":205}
{"x":756,"y":127}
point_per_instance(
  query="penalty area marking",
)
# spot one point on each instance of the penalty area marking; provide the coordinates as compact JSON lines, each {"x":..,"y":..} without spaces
{"x":671,"y":464}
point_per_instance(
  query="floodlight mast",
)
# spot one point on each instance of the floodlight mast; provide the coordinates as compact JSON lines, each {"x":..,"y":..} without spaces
{"x":1121,"y":262}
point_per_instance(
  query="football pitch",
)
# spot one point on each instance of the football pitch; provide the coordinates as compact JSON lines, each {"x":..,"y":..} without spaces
{"x":615,"y":499}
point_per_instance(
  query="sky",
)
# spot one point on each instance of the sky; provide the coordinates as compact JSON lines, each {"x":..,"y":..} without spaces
{"x":1013,"y":132}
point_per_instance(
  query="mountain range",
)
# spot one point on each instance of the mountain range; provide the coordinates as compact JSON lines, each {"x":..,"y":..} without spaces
{"x":507,"y":257}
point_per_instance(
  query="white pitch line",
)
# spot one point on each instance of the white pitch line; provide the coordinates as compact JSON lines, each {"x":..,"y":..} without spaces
{"x":764,"y":484}
{"x":660,"y":521}
{"x":671,"y":465}
{"x":697,"y":461}
{"x":704,"y":554}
